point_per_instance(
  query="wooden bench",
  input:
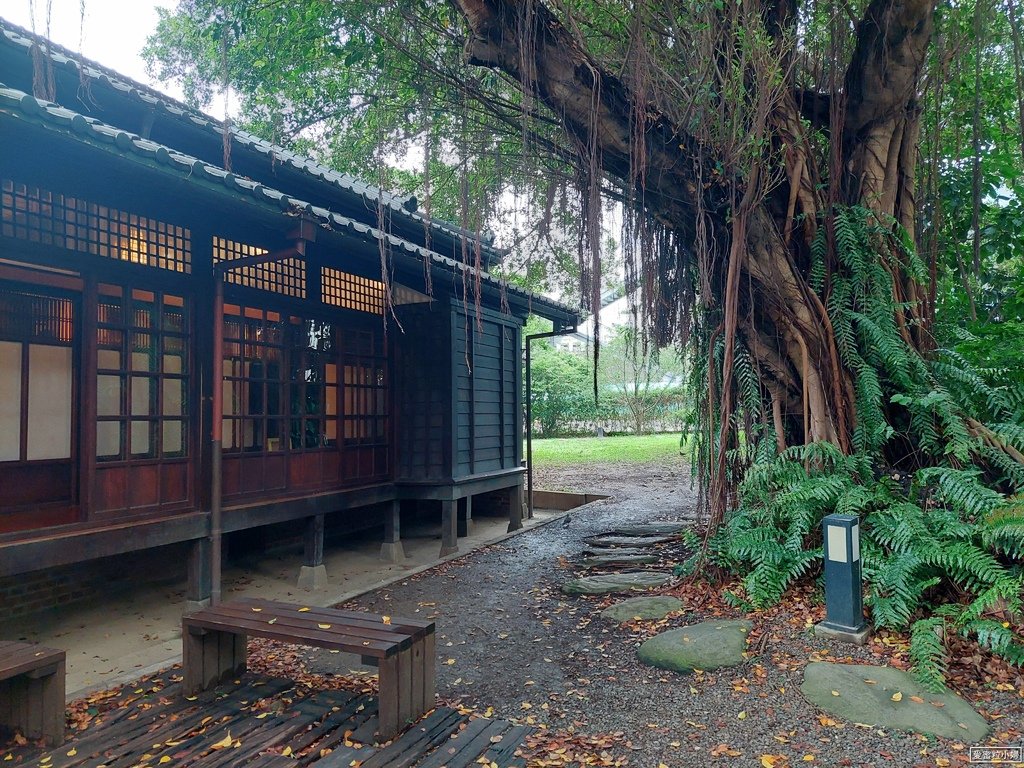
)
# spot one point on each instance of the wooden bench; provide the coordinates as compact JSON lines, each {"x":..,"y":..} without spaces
{"x":32,"y":691}
{"x":214,"y":649}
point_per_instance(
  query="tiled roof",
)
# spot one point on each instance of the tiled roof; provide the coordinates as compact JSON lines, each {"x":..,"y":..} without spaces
{"x":92,"y":131}
{"x":371,"y":195}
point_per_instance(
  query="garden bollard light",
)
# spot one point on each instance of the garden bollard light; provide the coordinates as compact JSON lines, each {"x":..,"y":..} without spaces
{"x":844,"y":607}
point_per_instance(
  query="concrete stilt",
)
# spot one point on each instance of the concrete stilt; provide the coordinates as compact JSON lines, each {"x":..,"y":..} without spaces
{"x":449,"y":532}
{"x":313,"y":573}
{"x":200,"y":584}
{"x":465,"y":515}
{"x":391,"y":550}
{"x":515,"y":508}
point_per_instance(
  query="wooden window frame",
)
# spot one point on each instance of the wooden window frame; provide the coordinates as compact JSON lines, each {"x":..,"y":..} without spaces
{"x":128,"y":329}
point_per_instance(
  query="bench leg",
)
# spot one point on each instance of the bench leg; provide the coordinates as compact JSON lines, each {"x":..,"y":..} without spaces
{"x":429,"y":672}
{"x":34,"y":704}
{"x":387,"y":698}
{"x":210,"y":657}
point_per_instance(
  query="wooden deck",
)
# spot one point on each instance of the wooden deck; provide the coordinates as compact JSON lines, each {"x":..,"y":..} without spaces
{"x":266,"y":722}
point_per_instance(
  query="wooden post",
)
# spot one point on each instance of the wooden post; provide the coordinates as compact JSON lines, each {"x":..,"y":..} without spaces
{"x":515,"y":508}
{"x":449,"y":534}
{"x":465,"y":515}
{"x":313,"y":574}
{"x":197,"y":593}
{"x":391,"y":550}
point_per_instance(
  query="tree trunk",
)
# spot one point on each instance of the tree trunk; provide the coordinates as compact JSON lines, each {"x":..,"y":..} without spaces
{"x":761,"y":281}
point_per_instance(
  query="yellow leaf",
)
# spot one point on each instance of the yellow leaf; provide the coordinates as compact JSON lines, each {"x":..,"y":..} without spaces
{"x":808,"y":758}
{"x":72,"y":752}
{"x":742,"y":715}
{"x":165,"y":759}
{"x":224,"y":743}
{"x":286,"y":752}
{"x":450,"y":662}
{"x":386,"y":619}
{"x":191,"y":698}
{"x":526,"y":705}
{"x":257,"y":610}
{"x":770,"y":761}
{"x":261,"y":715}
{"x":303,"y":610}
{"x":272,"y":621}
{"x":324,"y":626}
{"x":898,"y":696}
{"x":835,"y":693}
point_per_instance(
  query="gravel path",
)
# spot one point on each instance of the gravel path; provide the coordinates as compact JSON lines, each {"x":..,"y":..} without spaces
{"x":510,"y":642}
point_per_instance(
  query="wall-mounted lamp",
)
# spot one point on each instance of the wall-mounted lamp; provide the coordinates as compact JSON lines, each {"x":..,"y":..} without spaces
{"x":844,"y":606}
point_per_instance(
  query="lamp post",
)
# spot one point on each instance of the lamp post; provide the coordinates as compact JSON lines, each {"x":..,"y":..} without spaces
{"x":844,"y":607}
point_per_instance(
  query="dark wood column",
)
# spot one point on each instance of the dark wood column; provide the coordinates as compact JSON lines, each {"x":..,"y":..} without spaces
{"x":313,"y":574}
{"x":392,"y":550}
{"x":449,"y":534}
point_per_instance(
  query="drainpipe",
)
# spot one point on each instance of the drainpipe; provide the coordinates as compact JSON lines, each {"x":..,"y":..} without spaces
{"x":305,"y":233}
{"x":559,"y":331}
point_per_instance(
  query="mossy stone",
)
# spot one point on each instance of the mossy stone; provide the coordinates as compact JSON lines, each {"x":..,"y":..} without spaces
{"x":889,"y":698}
{"x":647,"y":608}
{"x":609,"y":583}
{"x":708,"y":645}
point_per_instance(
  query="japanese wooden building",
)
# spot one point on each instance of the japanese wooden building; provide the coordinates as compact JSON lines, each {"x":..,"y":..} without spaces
{"x":186,"y":350}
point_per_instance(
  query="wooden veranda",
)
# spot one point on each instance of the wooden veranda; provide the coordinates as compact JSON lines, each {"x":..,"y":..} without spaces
{"x":265,"y":722}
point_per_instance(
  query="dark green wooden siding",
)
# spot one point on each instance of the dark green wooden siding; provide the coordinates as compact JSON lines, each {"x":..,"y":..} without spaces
{"x":486,"y":362}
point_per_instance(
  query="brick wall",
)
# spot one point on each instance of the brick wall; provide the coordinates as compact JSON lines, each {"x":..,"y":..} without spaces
{"x":37,"y":591}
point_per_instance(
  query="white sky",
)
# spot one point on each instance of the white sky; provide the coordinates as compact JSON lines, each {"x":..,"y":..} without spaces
{"x":113,"y":33}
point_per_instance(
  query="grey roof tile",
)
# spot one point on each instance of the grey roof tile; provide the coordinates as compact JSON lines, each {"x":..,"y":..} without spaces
{"x":79,"y":127}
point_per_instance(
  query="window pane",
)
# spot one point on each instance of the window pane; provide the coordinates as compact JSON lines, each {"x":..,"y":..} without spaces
{"x":142,"y":439}
{"x":174,"y":438}
{"x":143,"y":352}
{"x":49,"y":402}
{"x":10,"y":401}
{"x":108,"y":395}
{"x":174,"y":314}
{"x":174,"y":355}
{"x":174,"y":397}
{"x":109,"y":359}
{"x":143,"y":397}
{"x":108,"y":440}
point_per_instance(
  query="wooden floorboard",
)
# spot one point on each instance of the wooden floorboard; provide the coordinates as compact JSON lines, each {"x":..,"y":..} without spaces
{"x":272,"y":723}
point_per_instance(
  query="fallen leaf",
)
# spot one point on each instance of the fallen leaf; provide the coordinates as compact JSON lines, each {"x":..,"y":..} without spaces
{"x":286,"y":752}
{"x":257,"y":610}
{"x":72,"y":752}
{"x":808,"y":758}
{"x":324,"y":626}
{"x":898,"y":696}
{"x":303,"y":610}
{"x":224,"y":743}
{"x":386,"y":619}
{"x":835,"y":693}
{"x":742,"y":716}
{"x":272,"y":621}
{"x":917,"y":699}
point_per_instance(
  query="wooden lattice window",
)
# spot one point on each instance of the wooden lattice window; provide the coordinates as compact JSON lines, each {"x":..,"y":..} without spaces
{"x":50,"y":218}
{"x":341,"y":289}
{"x":36,"y":376}
{"x":365,"y":410}
{"x":313,"y":393}
{"x":142,"y":374}
{"x":255,"y":374}
{"x":286,"y":277}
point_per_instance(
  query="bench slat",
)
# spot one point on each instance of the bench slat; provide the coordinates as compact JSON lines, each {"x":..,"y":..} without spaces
{"x":19,"y":658}
{"x":321,"y":639}
{"x":367,"y":630}
{"x":398,"y":623}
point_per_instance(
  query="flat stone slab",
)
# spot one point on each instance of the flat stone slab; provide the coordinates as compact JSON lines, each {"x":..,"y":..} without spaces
{"x":648,"y":608}
{"x":652,"y":529}
{"x":608,"y":583}
{"x":608,"y":540}
{"x":619,"y":551}
{"x":612,"y":560}
{"x":708,"y":645}
{"x":889,"y":698}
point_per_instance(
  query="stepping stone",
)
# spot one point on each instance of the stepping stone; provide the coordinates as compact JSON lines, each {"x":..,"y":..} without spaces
{"x":616,"y":582}
{"x":618,"y":551}
{"x":708,"y":645}
{"x":608,"y":540}
{"x":657,"y":607}
{"x":914,"y":709}
{"x":615,"y":559}
{"x":652,"y":529}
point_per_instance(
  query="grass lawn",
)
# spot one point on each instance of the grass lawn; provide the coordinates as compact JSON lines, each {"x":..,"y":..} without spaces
{"x":563,"y":451}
